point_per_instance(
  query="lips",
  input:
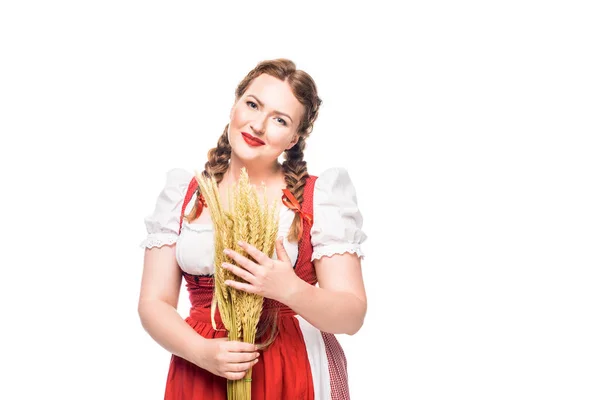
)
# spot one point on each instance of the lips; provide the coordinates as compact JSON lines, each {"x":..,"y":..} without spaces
{"x":251,"y":140}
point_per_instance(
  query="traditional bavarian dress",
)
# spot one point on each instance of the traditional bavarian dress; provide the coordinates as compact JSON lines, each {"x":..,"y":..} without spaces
{"x":303,"y":362}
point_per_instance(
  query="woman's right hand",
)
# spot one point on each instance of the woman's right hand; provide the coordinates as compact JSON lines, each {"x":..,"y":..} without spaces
{"x":229,"y":359}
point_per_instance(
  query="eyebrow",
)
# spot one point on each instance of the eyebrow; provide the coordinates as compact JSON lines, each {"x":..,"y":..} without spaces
{"x":262,"y":105}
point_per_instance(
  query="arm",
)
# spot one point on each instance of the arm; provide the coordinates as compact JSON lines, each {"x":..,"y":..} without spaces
{"x":157,"y":307}
{"x":339,"y":304}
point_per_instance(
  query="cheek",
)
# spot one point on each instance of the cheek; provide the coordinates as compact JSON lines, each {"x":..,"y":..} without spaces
{"x":280,"y":136}
{"x":239,"y":116}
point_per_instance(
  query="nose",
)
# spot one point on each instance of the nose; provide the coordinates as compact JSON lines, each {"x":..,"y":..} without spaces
{"x":258,"y":125}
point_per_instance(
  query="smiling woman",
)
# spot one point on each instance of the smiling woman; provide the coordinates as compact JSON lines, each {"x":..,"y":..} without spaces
{"x":320,"y":235}
{"x":257,"y":120}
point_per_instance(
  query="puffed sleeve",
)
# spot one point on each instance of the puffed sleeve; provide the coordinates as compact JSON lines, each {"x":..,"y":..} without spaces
{"x":337,"y":221}
{"x":163,"y":224}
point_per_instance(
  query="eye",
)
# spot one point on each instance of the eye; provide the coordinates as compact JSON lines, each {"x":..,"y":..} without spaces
{"x":252,"y":104}
{"x":281,"y":121}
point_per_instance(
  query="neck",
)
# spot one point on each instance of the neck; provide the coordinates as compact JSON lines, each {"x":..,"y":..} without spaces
{"x":257,"y":173}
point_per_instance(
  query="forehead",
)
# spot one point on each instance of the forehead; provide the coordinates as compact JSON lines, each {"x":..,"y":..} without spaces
{"x":275,"y":94}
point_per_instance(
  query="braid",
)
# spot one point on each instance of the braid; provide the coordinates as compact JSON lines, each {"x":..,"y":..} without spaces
{"x":216,"y":166}
{"x":296,"y":173}
{"x":218,"y":158}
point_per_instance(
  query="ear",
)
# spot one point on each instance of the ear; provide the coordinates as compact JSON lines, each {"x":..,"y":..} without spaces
{"x":231,"y":112}
{"x":293,"y":142}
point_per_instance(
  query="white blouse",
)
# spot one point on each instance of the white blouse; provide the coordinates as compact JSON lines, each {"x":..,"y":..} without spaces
{"x":336,"y":229}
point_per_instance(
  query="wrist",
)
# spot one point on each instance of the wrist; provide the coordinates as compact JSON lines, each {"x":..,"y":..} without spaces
{"x":294,"y":291}
{"x":196,"y":351}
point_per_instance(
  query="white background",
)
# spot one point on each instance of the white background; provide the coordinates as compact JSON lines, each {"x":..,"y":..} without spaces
{"x":470,"y":130}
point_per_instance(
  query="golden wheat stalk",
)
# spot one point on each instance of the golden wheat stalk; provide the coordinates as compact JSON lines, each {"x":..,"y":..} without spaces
{"x":254,"y":222}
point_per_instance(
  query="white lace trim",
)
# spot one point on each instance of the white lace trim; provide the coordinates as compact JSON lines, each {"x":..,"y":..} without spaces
{"x":340,"y":248}
{"x":159,"y":239}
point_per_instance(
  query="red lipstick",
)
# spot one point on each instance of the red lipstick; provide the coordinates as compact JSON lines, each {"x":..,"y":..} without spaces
{"x":251,"y":140}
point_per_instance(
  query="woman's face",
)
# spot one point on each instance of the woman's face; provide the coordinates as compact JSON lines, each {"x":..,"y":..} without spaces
{"x":264,"y":121}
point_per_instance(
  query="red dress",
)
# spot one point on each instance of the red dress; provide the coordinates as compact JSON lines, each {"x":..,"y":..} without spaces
{"x":284,"y":368}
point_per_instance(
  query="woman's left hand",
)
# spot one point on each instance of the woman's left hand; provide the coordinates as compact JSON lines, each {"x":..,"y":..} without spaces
{"x":274,"y":279}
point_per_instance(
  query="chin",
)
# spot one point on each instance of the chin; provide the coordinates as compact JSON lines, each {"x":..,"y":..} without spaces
{"x":245,"y":153}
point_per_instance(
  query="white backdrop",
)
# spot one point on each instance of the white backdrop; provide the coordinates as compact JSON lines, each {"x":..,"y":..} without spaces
{"x":470,"y":130}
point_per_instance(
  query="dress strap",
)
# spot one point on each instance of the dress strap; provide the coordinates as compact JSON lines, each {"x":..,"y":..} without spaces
{"x":304,"y":268}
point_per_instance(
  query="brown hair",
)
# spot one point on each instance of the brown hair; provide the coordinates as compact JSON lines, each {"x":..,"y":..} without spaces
{"x":294,"y":166}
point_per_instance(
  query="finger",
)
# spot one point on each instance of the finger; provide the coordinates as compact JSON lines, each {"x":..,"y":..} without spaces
{"x":234,"y":376}
{"x":241,"y":260}
{"x":242,"y":286}
{"x":282,"y":255}
{"x":239,"y":367}
{"x":241,"y":272}
{"x":236,"y":358}
{"x":255,"y":253}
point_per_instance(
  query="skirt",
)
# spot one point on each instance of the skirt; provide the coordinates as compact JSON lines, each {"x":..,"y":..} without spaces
{"x":301,"y":364}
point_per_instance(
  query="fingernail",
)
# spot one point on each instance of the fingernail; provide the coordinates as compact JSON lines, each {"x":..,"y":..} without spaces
{"x":255,"y":361}
{"x":226,"y":252}
{"x":241,"y":243}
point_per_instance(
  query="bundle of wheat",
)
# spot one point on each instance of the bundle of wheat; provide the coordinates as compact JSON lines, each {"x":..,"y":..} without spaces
{"x":251,"y":220}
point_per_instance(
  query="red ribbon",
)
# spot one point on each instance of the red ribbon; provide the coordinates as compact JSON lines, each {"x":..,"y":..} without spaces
{"x":290,"y":202}
{"x":201,"y":203}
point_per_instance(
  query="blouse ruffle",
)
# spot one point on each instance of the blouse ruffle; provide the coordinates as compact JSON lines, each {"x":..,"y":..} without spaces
{"x":162,"y":225}
{"x":337,"y":220}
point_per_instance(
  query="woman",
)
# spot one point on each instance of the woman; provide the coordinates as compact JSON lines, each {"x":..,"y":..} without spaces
{"x":274,"y":111}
